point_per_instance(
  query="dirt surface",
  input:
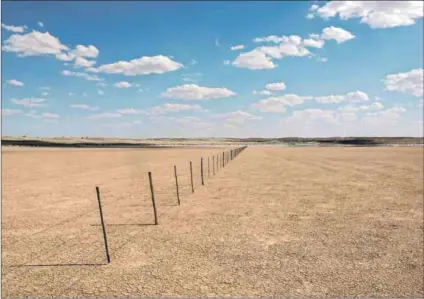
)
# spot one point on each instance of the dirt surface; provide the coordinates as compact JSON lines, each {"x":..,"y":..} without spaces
{"x":275,"y":222}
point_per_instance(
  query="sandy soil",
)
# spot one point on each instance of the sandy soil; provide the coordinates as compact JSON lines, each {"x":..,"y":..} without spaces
{"x":275,"y":222}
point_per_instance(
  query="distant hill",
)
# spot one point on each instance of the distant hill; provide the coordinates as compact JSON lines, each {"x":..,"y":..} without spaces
{"x":165,"y":142}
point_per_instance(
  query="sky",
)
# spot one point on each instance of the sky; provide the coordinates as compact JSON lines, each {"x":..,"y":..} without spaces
{"x":212,"y":69}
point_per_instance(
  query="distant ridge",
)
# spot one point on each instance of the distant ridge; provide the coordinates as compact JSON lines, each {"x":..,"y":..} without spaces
{"x":172,"y":142}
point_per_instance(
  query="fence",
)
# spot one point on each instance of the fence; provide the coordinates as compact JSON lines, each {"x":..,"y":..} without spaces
{"x":159,"y":196}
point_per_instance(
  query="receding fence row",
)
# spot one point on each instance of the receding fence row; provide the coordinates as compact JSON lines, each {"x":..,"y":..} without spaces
{"x":218,"y":161}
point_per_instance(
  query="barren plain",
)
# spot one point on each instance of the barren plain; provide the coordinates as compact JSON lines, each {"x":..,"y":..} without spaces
{"x":275,"y":222}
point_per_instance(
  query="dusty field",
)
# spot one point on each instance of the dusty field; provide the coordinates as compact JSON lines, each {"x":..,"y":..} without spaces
{"x":276,"y":222}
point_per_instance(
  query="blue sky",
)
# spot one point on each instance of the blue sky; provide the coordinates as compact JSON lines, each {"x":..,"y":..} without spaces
{"x":212,"y":69}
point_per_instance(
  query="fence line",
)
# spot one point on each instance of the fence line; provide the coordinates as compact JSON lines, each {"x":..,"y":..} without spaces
{"x":221,"y":162}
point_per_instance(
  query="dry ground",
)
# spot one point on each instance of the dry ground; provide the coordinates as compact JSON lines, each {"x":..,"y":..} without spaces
{"x":275,"y":222}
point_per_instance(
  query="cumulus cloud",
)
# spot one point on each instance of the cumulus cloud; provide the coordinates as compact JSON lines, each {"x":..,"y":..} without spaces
{"x":82,"y":62}
{"x":16,"y":29}
{"x":82,"y":75}
{"x":372,"y":107}
{"x":5,"y":112}
{"x":65,"y":56}
{"x":262,"y":92}
{"x":122,"y":84}
{"x":276,"y":86}
{"x":40,"y":24}
{"x":353,"y":97}
{"x":314,"y":43}
{"x":254,"y":60}
{"x":195,"y":92}
{"x":141,"y":66}
{"x":84,"y":107}
{"x":410,"y":82}
{"x":29,"y":102}
{"x":34,"y":44}
{"x":15,"y":82}
{"x":384,"y":117}
{"x":377,"y":14}
{"x":89,"y":51}
{"x":238,"y":47}
{"x":338,"y":34}
{"x":286,"y":46}
{"x":278,"y":104}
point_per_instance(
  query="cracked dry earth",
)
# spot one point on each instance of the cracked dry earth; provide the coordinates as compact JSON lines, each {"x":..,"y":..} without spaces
{"x":275,"y":222}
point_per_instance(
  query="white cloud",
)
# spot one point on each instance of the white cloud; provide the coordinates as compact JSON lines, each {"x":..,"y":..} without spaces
{"x":384,"y":117}
{"x":217,"y":42}
{"x":310,"y":16}
{"x":314,"y":115}
{"x":5,"y":112}
{"x":262,"y":92}
{"x":338,"y":34}
{"x":254,"y":60}
{"x":276,"y":86}
{"x":34,"y":44}
{"x":314,"y":7}
{"x":314,"y":43}
{"x":84,"y":107}
{"x":322,"y":59}
{"x":142,"y":66}
{"x":122,"y":84}
{"x":71,"y":94}
{"x":65,"y":56}
{"x":104,"y":115}
{"x":82,"y":75}
{"x":193,"y":62}
{"x":227,"y":62}
{"x":40,"y":24}
{"x":353,"y":97}
{"x":261,"y":57}
{"x":372,"y":107}
{"x":45,"y":94}
{"x":238,"y":47}
{"x":278,"y":104}
{"x":85,"y":51}
{"x":195,"y":92}
{"x":15,"y":82}
{"x":29,"y":102}
{"x":410,"y":82}
{"x":168,"y":107}
{"x":420,"y":103}
{"x":50,"y":115}
{"x":237,"y":117}
{"x":101,"y":84}
{"x":100,"y":92}
{"x":82,"y":62}
{"x":16,"y":29}
{"x":377,"y":14}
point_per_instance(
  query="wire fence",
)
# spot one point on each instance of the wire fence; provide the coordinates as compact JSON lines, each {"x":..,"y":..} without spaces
{"x":146,"y":198}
